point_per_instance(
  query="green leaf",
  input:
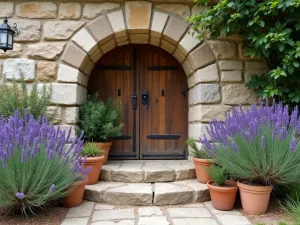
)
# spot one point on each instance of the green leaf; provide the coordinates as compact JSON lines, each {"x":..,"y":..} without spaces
{"x":297,"y":26}
{"x":262,"y":23}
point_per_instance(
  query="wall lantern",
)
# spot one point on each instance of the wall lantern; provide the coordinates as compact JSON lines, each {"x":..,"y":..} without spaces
{"x":7,"y":34}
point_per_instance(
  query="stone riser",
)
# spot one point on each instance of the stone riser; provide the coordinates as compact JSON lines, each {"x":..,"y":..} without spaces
{"x":147,"y":171}
{"x":146,"y":194}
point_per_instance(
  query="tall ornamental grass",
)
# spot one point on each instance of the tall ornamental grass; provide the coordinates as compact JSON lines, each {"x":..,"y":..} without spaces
{"x":37,"y":167}
{"x":259,"y":145}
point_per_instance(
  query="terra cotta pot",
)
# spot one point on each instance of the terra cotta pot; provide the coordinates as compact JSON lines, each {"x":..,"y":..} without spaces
{"x":105,"y":147}
{"x":223,"y":198}
{"x":255,"y":199}
{"x":74,"y":198}
{"x":200,"y":166}
{"x":96,"y":164}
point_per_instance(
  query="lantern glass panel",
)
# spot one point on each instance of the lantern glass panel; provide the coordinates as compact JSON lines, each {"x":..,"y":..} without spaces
{"x":3,"y":39}
{"x":10,"y":40}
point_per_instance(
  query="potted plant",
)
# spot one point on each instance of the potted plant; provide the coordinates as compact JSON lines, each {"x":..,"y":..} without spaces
{"x":222,"y":191}
{"x":75,"y":196}
{"x":100,"y":122}
{"x":202,"y":161}
{"x":260,"y":148}
{"x":93,"y":157}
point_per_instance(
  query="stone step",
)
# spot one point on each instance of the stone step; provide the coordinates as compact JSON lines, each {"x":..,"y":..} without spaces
{"x":147,"y":171}
{"x":147,"y":194}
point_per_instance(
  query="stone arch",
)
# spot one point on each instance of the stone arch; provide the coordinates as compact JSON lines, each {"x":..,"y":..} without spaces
{"x":207,"y":64}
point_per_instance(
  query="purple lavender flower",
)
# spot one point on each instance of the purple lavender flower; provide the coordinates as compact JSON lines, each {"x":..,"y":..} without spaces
{"x":293,"y":145}
{"x":282,"y":133}
{"x":262,"y":142}
{"x":20,"y":195}
{"x":234,"y":146}
{"x":51,"y":189}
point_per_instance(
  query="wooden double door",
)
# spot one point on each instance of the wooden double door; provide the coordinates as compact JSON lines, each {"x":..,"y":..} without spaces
{"x":151,"y":88}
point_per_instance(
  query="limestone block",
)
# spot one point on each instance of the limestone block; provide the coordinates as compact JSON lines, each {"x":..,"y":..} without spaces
{"x":71,"y":115}
{"x":88,"y":68}
{"x":230,"y":65}
{"x":188,"y":42}
{"x":46,"y":71}
{"x":256,"y":65}
{"x":139,"y":38}
{"x":179,"y":56}
{"x":114,"y":214}
{"x":234,"y":94}
{"x":191,"y":82}
{"x":96,"y":56}
{"x":250,"y":73}
{"x":178,"y":9}
{"x":60,"y":30}
{"x":123,"y":43}
{"x":16,"y":68}
{"x":223,"y":49}
{"x":92,"y":10}
{"x":85,"y":41}
{"x":105,"y":33}
{"x":158,"y":23}
{"x":154,"y":41}
{"x":54,"y":113}
{"x":15,"y":53}
{"x":197,"y":130}
{"x":205,"y":113}
{"x":47,"y":50}
{"x":150,"y":211}
{"x":68,"y":94}
{"x":117,"y":22}
{"x":30,"y":30}
{"x":161,"y":220}
{"x":121,"y":39}
{"x":41,"y":10}
{"x":175,"y":29}
{"x":74,"y":55}
{"x":138,"y":15}
{"x":207,"y":93}
{"x":69,"y":11}
{"x":108,"y":46}
{"x":187,"y":68}
{"x":231,"y":76}
{"x":68,"y":74}
{"x":128,"y":173}
{"x":167,"y":46}
{"x":6,"y":9}
{"x":189,"y":213}
{"x":207,"y":74}
{"x":158,"y":173}
{"x":200,"y":57}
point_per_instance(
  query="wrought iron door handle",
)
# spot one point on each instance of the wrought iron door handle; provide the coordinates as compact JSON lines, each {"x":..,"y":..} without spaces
{"x":146,"y":98}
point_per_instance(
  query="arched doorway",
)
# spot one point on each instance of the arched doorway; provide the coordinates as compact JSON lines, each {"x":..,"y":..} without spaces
{"x":152,"y":90}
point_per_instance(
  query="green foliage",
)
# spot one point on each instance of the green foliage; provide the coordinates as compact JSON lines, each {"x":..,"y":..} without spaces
{"x":34,"y":178}
{"x":100,"y":121}
{"x":271,"y":162}
{"x":91,"y":150}
{"x":195,"y":151}
{"x":17,"y":97}
{"x":218,"y":174}
{"x":270,"y":29}
{"x":291,"y":203}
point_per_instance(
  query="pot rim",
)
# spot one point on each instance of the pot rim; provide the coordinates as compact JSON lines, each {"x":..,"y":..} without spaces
{"x":223,"y":189}
{"x":104,"y":143}
{"x":203,"y":161}
{"x":97,"y":158}
{"x":254,"y":188}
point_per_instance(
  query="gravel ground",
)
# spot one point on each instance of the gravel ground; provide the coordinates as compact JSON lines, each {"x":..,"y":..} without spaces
{"x":53,"y":215}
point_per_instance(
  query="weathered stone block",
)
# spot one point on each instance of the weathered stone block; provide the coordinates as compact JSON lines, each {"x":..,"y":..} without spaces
{"x":231,"y":76}
{"x":105,"y":33}
{"x":230,"y":65}
{"x":189,"y":213}
{"x":30,"y":30}
{"x":67,"y":74}
{"x":74,"y":56}
{"x":188,"y":42}
{"x":200,"y":57}
{"x":207,"y":74}
{"x":234,"y":94}
{"x":128,"y":173}
{"x":150,"y":211}
{"x":187,"y":68}
{"x":92,"y":10}
{"x":68,"y":94}
{"x":46,"y":71}
{"x":6,"y":9}
{"x":15,"y":53}
{"x":54,"y":112}
{"x":60,"y":30}
{"x":41,"y":10}
{"x":158,"y":173}
{"x":113,"y":214}
{"x":139,"y":38}
{"x":49,"y":51}
{"x":69,"y":11}
{"x":158,"y":23}
{"x":175,"y":29}
{"x":179,"y":56}
{"x":85,"y":41}
{"x":207,"y":93}
{"x":177,"y":9}
{"x":117,"y":22}
{"x":206,"y":113}
{"x":256,"y":65}
{"x":108,"y":46}
{"x":71,"y":115}
{"x":16,"y":68}
{"x":167,"y":46}
{"x":138,"y":15}
{"x":223,"y":49}
{"x":197,"y":130}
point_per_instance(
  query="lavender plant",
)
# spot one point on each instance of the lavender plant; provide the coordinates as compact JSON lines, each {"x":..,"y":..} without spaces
{"x":259,"y":145}
{"x":37,"y":168}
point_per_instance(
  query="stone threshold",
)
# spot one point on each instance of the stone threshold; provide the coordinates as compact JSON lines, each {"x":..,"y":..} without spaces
{"x":147,"y":194}
{"x":148,"y":171}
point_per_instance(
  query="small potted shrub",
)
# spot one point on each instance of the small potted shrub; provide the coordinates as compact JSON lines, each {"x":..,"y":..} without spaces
{"x":100,"y":122}
{"x":259,"y":147}
{"x":202,"y":161}
{"x":93,"y":158}
{"x":222,"y":191}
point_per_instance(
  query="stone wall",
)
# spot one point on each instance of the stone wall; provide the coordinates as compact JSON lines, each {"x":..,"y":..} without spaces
{"x":59,"y":42}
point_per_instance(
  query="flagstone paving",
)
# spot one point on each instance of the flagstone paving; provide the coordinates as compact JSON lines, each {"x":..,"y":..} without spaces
{"x":90,"y":213}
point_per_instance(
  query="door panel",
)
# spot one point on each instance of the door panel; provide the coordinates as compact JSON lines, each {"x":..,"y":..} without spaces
{"x":157,"y":130}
